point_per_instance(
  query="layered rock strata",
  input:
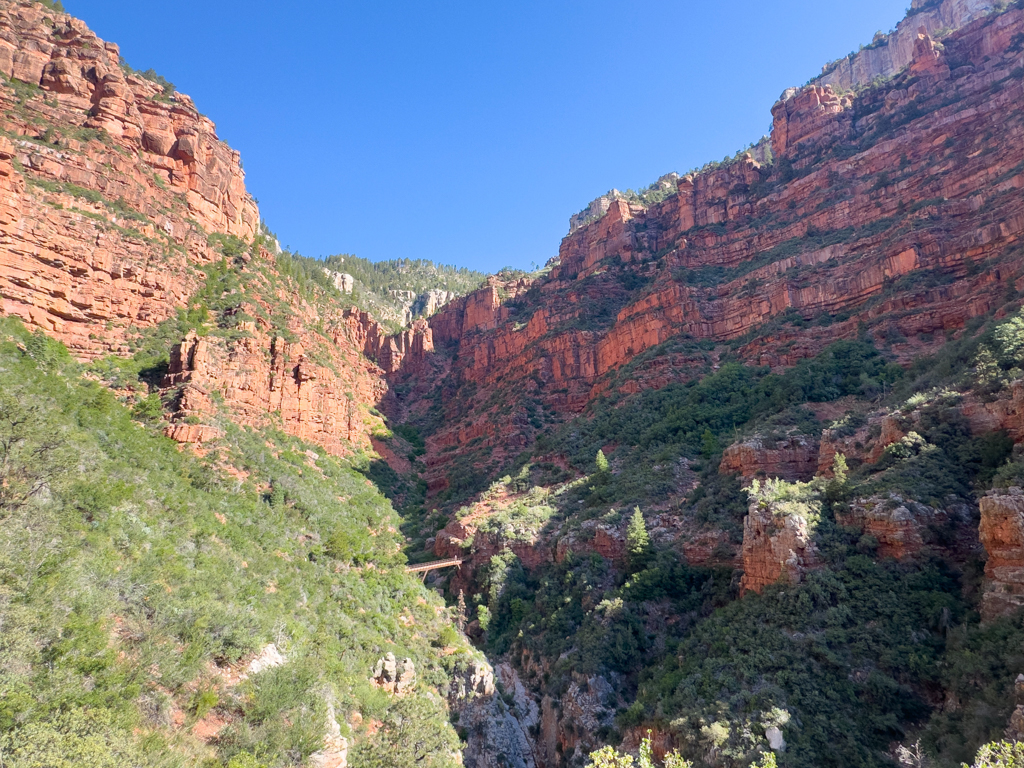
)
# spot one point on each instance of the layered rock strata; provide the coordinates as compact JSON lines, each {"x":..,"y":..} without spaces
{"x":794,"y":457}
{"x":888,"y":54}
{"x":777,"y":546}
{"x":900,"y":526}
{"x":319,"y":387}
{"x":898,"y":210}
{"x":109,"y":187}
{"x":1002,"y":533}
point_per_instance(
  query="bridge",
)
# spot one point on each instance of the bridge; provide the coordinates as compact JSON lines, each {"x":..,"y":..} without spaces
{"x":434,"y":565}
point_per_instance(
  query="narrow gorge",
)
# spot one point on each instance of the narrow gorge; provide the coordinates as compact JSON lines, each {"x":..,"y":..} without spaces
{"x":733,"y":480}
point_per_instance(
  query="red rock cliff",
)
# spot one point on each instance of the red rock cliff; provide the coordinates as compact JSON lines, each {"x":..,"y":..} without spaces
{"x":108,"y":186}
{"x":900,"y":209}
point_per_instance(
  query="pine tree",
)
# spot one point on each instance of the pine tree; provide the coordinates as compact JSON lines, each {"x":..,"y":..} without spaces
{"x":276,"y":495}
{"x":638,"y":542}
{"x":709,"y":444}
{"x":837,"y":488}
{"x":602,"y":463}
{"x":460,"y":614}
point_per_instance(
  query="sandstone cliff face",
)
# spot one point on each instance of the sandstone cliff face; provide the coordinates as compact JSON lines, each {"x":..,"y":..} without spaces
{"x":900,"y":526}
{"x":1002,"y":534}
{"x":108,"y":188}
{"x":777,"y":545}
{"x":792,"y":458}
{"x":889,"y":54}
{"x":889,"y":209}
{"x":320,"y":385}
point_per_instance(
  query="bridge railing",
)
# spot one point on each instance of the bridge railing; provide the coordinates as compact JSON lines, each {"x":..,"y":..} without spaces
{"x":434,"y":565}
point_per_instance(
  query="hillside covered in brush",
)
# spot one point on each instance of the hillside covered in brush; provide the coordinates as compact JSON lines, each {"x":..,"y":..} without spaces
{"x":734,"y":481}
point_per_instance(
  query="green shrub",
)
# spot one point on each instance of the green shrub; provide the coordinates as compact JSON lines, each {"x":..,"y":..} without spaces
{"x":137,"y":565}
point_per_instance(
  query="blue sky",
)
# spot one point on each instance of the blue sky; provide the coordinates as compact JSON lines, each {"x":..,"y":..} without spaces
{"x":468,"y":132}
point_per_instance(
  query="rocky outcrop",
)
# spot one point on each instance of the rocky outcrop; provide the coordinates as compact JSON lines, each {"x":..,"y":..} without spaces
{"x":794,"y":457}
{"x":778,"y":543}
{"x":323,"y":400}
{"x":810,"y":114}
{"x":899,"y":526}
{"x":609,"y":541}
{"x":105,"y":213}
{"x":571,"y":727}
{"x":334,"y":753}
{"x":1015,"y":730}
{"x":888,"y":54}
{"x":268,"y":658}
{"x":498,"y":716}
{"x":1002,"y":534}
{"x":863,"y":445}
{"x":429,"y":302}
{"x":393,"y":675}
{"x":885,"y":212}
{"x":1005,"y":412}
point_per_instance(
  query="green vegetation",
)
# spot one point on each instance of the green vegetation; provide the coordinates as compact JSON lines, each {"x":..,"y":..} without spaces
{"x":376,"y":282}
{"x":1000,"y":754}
{"x":135,"y":575}
{"x":656,"y":429}
{"x":609,"y":757}
{"x":846,"y":662}
{"x":167,"y":88}
{"x":416,"y":275}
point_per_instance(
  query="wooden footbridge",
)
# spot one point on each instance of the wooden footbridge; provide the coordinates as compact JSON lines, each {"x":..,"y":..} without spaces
{"x":434,"y":565}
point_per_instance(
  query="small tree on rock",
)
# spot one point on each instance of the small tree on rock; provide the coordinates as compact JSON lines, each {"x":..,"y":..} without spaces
{"x":638,"y":542}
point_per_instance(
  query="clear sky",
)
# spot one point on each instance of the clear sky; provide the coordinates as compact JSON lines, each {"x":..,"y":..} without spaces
{"x":469,"y":132}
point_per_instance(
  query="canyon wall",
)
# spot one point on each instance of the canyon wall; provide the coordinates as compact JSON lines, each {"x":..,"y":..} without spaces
{"x":117,"y":198}
{"x":888,"y":54}
{"x":109,"y":187}
{"x":894,"y":212}
{"x":1002,"y":533}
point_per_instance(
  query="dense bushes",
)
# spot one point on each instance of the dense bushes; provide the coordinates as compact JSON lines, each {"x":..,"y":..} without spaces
{"x":845,"y":655}
{"x":655,"y":429}
{"x":128,"y":583}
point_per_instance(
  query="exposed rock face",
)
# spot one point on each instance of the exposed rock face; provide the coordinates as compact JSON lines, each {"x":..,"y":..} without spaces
{"x":102,"y":215}
{"x":496,"y":724}
{"x":427,"y":304}
{"x":268,"y":658}
{"x":262,"y":374}
{"x":594,"y":210}
{"x":569,"y":726}
{"x":859,"y":445}
{"x":1015,"y":730}
{"x":899,"y":525}
{"x":792,"y":458}
{"x":334,"y":753}
{"x":1003,"y":413}
{"x":806,"y":115}
{"x":343,"y":281}
{"x":393,"y":675}
{"x":891,"y":53}
{"x":593,"y":536}
{"x":776,"y":546}
{"x":1002,"y":534}
{"x":886,"y":209}
{"x":476,"y":680}
{"x":104,"y":230}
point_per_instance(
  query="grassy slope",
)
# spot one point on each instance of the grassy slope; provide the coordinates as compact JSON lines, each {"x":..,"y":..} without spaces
{"x":137,"y":574}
